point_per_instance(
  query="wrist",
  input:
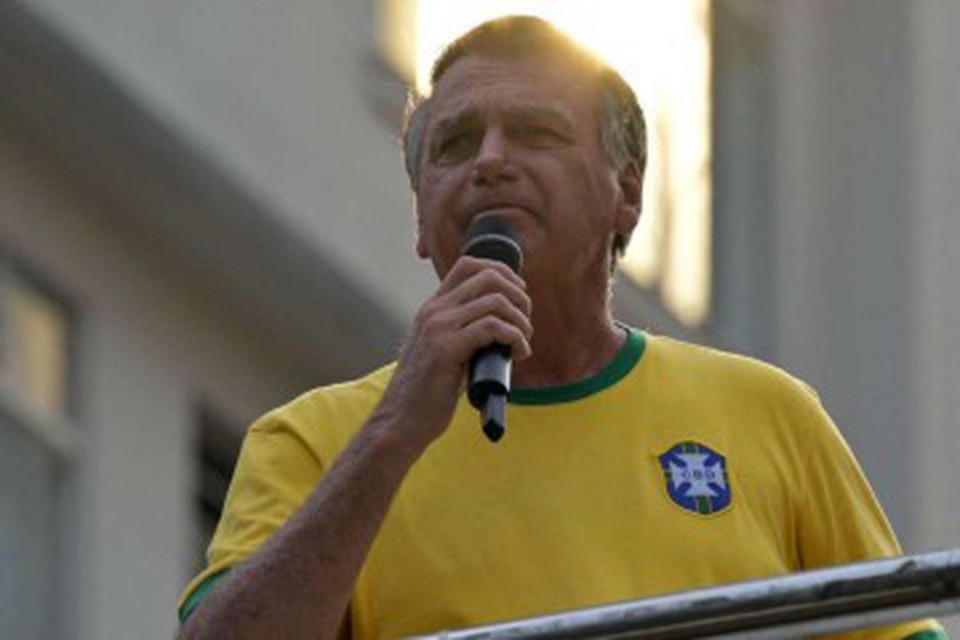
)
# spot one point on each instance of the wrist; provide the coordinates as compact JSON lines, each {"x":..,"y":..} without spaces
{"x":388,"y":439}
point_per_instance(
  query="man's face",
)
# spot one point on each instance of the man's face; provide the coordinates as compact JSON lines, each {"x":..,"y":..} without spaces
{"x":520,"y":138}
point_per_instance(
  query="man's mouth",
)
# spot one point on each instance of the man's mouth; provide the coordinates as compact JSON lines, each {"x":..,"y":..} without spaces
{"x":499,"y":209}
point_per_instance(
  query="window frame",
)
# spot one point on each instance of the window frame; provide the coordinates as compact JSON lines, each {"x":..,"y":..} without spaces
{"x":61,"y":433}
{"x":60,"y":436}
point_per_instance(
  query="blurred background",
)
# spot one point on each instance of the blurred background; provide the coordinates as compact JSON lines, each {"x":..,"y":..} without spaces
{"x":203,"y":213}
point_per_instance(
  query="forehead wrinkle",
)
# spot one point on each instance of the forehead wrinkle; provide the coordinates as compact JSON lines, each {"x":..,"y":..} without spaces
{"x":463,"y":114}
{"x":460,"y":96}
{"x":537,"y":112}
{"x":514,"y":112}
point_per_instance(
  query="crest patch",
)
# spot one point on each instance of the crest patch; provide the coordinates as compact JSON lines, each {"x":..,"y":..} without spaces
{"x":696,"y":477}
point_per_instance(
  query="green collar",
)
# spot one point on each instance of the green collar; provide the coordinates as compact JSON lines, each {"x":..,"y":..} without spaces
{"x":621,"y":365}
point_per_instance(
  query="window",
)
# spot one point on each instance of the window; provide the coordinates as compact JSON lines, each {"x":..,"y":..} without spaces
{"x":34,"y":330}
{"x":37,"y":441}
{"x":663,"y":50}
{"x":218,"y":447}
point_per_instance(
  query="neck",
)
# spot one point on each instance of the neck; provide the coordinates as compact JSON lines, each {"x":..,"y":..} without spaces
{"x":573,"y":339}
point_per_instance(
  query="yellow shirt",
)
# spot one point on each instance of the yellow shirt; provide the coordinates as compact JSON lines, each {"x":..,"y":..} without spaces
{"x":676,"y":467}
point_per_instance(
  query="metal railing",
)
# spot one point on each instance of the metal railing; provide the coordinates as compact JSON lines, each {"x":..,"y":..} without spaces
{"x":811,"y":603}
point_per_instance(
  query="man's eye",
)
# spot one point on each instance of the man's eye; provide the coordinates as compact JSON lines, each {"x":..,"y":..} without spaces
{"x":537,"y":134}
{"x":454,"y":146}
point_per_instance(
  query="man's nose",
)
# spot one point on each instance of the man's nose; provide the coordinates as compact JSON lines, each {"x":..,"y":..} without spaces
{"x":493,"y":162}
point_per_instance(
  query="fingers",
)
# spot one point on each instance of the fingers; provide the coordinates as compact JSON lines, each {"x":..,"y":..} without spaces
{"x":493,"y":318}
{"x":479,"y":303}
{"x":471,"y":278}
{"x":490,"y":330}
{"x":467,"y":266}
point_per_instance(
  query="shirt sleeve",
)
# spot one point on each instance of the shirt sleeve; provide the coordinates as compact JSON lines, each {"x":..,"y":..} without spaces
{"x":276,"y":472}
{"x":840,"y":520}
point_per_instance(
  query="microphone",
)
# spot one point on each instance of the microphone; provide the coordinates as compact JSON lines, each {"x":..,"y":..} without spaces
{"x":488,"y":386}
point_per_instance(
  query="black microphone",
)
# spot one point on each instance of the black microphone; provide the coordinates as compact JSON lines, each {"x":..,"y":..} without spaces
{"x":488,"y":385}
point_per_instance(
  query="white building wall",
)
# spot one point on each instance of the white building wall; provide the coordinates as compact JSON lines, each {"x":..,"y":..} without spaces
{"x":278,"y":93}
{"x":151,"y":347}
{"x":868,"y":159}
{"x":868,"y":153}
{"x":136,"y":479}
{"x":935,"y":262}
{"x":842,"y":304}
{"x":117,"y":273}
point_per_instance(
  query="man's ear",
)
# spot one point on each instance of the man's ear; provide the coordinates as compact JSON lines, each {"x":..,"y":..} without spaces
{"x":630,"y":181}
{"x":422,"y":251}
{"x":421,"y":244}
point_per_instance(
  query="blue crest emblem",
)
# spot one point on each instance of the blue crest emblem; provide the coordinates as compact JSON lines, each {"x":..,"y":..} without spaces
{"x":696,"y":478}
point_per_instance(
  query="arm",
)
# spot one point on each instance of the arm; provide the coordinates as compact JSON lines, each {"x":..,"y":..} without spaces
{"x":842,"y":520}
{"x":299,"y":583}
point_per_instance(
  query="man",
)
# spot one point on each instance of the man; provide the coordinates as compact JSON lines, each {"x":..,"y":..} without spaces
{"x":633,"y":465}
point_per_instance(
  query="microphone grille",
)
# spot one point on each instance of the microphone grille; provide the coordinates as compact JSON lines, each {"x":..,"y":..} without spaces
{"x":492,"y":238}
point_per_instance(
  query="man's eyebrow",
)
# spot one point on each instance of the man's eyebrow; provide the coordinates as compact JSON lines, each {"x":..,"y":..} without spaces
{"x":456,"y":119}
{"x":520,"y":112}
{"x":537,"y":113}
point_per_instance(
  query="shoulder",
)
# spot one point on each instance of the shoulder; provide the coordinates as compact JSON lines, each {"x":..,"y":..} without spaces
{"x":708,"y":364}
{"x":324,"y":419}
{"x":733,"y":383}
{"x":360,"y":393}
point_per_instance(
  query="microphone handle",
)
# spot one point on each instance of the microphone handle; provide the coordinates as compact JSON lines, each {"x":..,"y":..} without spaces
{"x":489,"y":388}
{"x":489,"y":373}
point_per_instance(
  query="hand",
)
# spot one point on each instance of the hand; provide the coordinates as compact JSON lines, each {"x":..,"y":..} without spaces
{"x":479,"y":302}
